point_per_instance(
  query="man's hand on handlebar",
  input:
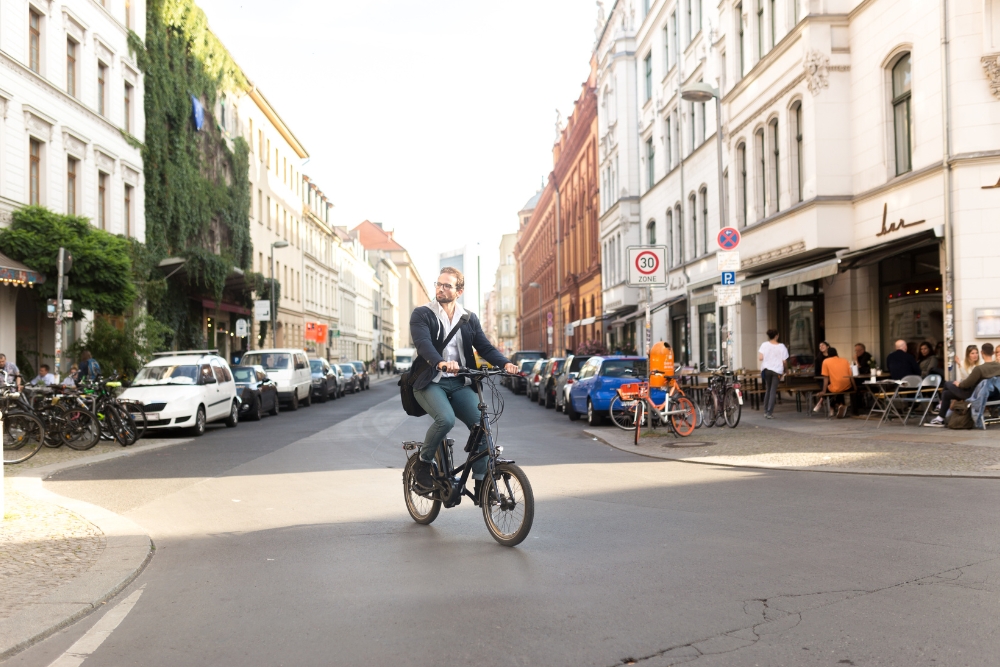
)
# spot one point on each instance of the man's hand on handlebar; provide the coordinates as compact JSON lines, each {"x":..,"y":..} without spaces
{"x":449,"y":366}
{"x":511,"y":368}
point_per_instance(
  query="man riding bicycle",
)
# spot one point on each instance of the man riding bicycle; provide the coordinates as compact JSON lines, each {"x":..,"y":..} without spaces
{"x":437,"y":389}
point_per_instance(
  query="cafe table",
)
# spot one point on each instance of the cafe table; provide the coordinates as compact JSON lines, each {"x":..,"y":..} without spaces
{"x":884,"y":403}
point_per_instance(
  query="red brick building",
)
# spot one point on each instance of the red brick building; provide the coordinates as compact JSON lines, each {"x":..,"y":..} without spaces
{"x":565,"y":221}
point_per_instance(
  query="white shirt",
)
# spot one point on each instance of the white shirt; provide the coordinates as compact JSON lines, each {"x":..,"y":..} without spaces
{"x":453,"y":350}
{"x":774,"y":357}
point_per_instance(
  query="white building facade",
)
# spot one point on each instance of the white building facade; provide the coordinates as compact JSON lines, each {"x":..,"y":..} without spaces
{"x":357,"y":293}
{"x":863,"y":193}
{"x":71,"y":119}
{"x":506,"y":291}
{"x":320,"y":273}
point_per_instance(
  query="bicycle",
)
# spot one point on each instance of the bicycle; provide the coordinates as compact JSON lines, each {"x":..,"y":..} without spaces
{"x":23,"y":433}
{"x":66,"y":422}
{"x":681,"y":420}
{"x":723,"y":400}
{"x":622,"y":410}
{"x":123,"y":421}
{"x":506,"y":499}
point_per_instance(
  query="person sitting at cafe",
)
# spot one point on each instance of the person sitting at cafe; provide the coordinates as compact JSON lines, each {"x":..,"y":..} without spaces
{"x":44,"y":377}
{"x":928,"y":360}
{"x":824,"y":347}
{"x":964,"y":366}
{"x":962,"y":391}
{"x":68,"y":381}
{"x":901,"y":363}
{"x":863,"y":360}
{"x":837,"y":380}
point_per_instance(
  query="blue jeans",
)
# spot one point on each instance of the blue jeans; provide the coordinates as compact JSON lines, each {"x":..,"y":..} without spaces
{"x":444,"y":401}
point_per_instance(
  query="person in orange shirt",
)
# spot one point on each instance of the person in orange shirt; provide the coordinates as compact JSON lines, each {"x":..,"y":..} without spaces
{"x":837,"y":379}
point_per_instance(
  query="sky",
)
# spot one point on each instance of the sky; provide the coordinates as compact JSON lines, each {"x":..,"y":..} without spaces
{"x":435,"y":119}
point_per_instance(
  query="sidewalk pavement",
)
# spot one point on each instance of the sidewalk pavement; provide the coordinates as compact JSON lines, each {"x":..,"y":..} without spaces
{"x":798,"y":441}
{"x":60,"y":558}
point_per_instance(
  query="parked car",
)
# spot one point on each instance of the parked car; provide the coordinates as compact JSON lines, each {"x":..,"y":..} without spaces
{"x":547,"y":385}
{"x":363,"y":380}
{"x":324,"y":380}
{"x":520,"y":356}
{"x":567,"y":376}
{"x":534,"y":377}
{"x":186,"y":390}
{"x":289,"y":368}
{"x":258,"y":393}
{"x":341,"y":380}
{"x":598,"y":383}
{"x":519,"y":383}
{"x":351,"y":381}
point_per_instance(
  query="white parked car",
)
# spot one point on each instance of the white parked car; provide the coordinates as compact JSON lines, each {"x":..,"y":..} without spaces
{"x":186,"y":390}
{"x":289,"y":368}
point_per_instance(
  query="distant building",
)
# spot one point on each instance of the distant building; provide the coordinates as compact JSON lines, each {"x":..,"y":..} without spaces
{"x":506,"y":290}
{"x":466,"y":260}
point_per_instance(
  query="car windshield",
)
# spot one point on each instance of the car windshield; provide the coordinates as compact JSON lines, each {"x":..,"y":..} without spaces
{"x":624,"y":368}
{"x":526,"y":365}
{"x":316,"y":365}
{"x":347,"y":368}
{"x":403,"y":358}
{"x":244,"y":374}
{"x":151,"y":375}
{"x":272,"y":361}
{"x":359,"y":366}
{"x":577,"y":364}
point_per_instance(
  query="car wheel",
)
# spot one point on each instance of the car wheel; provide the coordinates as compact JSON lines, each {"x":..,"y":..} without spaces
{"x":293,"y":404}
{"x":199,"y":423}
{"x":234,"y":415}
{"x":570,"y":412}
{"x":309,"y":398}
{"x":257,"y":411}
{"x":275,"y":407}
{"x":593,"y":418}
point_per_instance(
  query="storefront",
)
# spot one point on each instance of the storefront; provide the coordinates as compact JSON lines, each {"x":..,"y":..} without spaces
{"x":21,"y":319}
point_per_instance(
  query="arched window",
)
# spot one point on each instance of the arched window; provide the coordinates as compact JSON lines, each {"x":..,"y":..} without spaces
{"x":670,"y":238}
{"x":902,"y":129}
{"x":760,"y":192}
{"x":773,"y":204}
{"x":704,"y":218}
{"x":796,"y":134}
{"x":741,"y":184}
{"x":678,"y":216}
{"x":693,"y":206}
{"x":651,"y":232}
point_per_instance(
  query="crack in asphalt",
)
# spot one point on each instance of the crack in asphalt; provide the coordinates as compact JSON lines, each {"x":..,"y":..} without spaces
{"x":776,"y":620}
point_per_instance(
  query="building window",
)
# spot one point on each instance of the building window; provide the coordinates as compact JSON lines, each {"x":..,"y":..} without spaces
{"x":128,"y":14}
{"x":102,"y":78}
{"x":796,"y":118}
{"x":704,"y":219}
{"x":649,"y":77}
{"x":673,"y":35}
{"x":693,"y":205}
{"x":678,"y":215}
{"x":666,"y":48}
{"x":693,"y":125}
{"x":690,"y":20}
{"x":760,"y":29}
{"x":902,"y":128}
{"x":761,"y":190}
{"x":651,"y":232}
{"x":741,"y":37}
{"x":35,"y":173}
{"x":71,"y":67}
{"x":128,"y":107}
{"x":645,"y":8}
{"x":35,"y":41}
{"x":774,"y":25}
{"x":703,"y":117}
{"x":669,"y":135}
{"x":670,"y":238}
{"x":650,"y":164}
{"x":72,"y":166}
{"x":775,"y":171}
{"x":741,"y":185}
{"x":128,"y":211}
{"x":102,"y":200}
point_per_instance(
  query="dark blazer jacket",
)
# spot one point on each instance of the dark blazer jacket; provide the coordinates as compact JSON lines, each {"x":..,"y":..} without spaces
{"x":426,"y":331}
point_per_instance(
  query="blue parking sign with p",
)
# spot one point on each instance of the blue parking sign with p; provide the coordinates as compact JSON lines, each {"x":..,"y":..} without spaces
{"x":728,"y":277}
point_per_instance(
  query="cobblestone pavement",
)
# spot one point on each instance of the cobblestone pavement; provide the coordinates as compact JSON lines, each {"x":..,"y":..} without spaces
{"x":795,"y":440}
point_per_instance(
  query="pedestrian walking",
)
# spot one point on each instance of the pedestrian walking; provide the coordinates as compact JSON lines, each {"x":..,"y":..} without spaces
{"x":89,"y":368}
{"x":381,"y":366}
{"x":773,"y":357}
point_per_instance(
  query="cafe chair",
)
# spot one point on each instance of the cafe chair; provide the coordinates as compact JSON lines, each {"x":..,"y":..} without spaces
{"x":926,"y":395}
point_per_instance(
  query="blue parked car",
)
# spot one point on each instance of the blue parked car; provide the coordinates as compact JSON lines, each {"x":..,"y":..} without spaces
{"x":598,"y":383}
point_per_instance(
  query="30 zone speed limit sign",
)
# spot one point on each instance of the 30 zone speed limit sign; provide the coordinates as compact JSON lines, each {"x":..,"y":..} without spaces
{"x":647,"y":265}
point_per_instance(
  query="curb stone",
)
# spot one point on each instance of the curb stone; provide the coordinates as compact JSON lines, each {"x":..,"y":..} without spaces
{"x":128,"y":549}
{"x":604,"y":437}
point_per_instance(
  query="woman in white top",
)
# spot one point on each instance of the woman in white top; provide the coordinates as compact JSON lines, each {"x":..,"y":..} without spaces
{"x":964,"y":367}
{"x":773,"y":357}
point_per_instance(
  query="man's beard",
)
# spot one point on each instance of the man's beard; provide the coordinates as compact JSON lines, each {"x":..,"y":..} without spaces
{"x":445,"y":299}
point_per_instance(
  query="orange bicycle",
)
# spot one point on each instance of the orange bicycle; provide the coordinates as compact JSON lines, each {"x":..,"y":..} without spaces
{"x":632,"y":409}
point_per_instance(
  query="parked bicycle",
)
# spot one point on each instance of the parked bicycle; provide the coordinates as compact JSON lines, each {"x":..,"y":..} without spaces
{"x":624,"y":406}
{"x":722,"y":401}
{"x":120,"y":420}
{"x":677,"y":411}
{"x":23,"y":432}
{"x":506,"y":498}
{"x":67,"y":422}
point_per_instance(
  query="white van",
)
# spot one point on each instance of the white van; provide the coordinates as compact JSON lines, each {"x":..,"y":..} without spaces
{"x":289,"y":369}
{"x":404,"y":359}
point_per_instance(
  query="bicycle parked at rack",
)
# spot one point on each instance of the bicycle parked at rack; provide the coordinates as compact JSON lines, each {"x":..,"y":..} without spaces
{"x":120,"y":420}
{"x":23,"y":432}
{"x":66,"y":422}
{"x":506,"y":497}
{"x":722,"y":401}
{"x":637,"y":410}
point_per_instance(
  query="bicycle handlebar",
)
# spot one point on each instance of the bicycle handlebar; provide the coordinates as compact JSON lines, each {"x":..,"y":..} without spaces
{"x":483,"y":371}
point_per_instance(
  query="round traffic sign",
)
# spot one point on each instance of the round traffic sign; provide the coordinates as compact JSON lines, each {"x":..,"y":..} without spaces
{"x":729,"y":238}
{"x":647,"y":262}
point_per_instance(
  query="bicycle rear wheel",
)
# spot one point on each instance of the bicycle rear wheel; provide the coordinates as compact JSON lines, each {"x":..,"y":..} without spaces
{"x":122,"y":425}
{"x":684,"y":419}
{"x":422,"y":509}
{"x":623,"y":413}
{"x":640,"y":414}
{"x":23,"y":435}
{"x":79,"y":429}
{"x":508,"y":505}
{"x":138,"y":415}
{"x":731,"y":408}
{"x":709,"y":408}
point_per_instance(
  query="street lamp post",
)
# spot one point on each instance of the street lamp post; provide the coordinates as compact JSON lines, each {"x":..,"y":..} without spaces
{"x":703,"y":92}
{"x":281,"y":243}
{"x":541,"y":345}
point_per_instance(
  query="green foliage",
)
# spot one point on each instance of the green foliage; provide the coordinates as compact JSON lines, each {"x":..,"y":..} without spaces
{"x":122,"y":350}
{"x":101,"y":278}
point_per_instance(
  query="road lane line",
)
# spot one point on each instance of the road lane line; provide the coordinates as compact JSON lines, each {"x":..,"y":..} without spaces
{"x":88,"y":643}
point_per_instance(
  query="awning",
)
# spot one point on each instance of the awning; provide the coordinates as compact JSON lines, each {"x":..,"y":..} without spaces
{"x":666,"y":303}
{"x":875,"y":254}
{"x":589,"y":320}
{"x":750,"y":287}
{"x":805,"y":274}
{"x":703,"y":299}
{"x":617,"y":314}
{"x":714,"y":280}
{"x":210,"y":304}
{"x":13,"y":272}
{"x":631,"y":317}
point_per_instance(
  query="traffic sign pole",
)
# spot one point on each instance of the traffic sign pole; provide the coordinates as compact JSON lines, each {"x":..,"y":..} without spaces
{"x":728,"y":294}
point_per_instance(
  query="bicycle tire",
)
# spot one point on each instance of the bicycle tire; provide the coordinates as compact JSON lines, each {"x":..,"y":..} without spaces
{"x":640,"y":414}
{"x":684,"y":421}
{"x":720,"y":408}
{"x":137,"y":412}
{"x":624,"y":416}
{"x":497,"y":517}
{"x":23,"y":435}
{"x":422,"y":509}
{"x":122,"y":425}
{"x":79,"y":429}
{"x":709,"y":409}
{"x":731,"y":408}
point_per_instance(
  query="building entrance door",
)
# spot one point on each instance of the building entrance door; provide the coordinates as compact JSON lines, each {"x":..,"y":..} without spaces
{"x":910,"y":299}
{"x":802,"y":324}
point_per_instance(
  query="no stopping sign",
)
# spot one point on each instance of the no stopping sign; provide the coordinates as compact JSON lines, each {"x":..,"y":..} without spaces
{"x":647,"y":265}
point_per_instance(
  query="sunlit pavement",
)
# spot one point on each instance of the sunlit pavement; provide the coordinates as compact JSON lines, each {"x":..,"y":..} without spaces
{"x":287,"y":543}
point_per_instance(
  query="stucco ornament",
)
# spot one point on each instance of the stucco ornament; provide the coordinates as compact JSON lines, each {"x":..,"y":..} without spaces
{"x":991,"y":64}
{"x":817,"y":66}
{"x":600,"y":19}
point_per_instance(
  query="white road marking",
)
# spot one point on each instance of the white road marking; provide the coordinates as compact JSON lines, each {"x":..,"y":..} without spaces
{"x":87,"y":644}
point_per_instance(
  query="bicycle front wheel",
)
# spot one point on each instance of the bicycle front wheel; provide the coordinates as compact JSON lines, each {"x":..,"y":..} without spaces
{"x":640,"y":414}
{"x":709,"y":408}
{"x":623,"y":412}
{"x":684,"y":418}
{"x":137,"y":413}
{"x":79,"y":429}
{"x":122,"y":425}
{"x":23,"y":435}
{"x":508,"y":505}
{"x":422,"y":509}
{"x":731,"y":408}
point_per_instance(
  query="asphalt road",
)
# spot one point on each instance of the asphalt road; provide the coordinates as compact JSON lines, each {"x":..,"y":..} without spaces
{"x":287,"y":543}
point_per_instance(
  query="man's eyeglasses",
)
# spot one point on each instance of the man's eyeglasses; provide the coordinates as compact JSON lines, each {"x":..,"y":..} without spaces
{"x":446,"y":286}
